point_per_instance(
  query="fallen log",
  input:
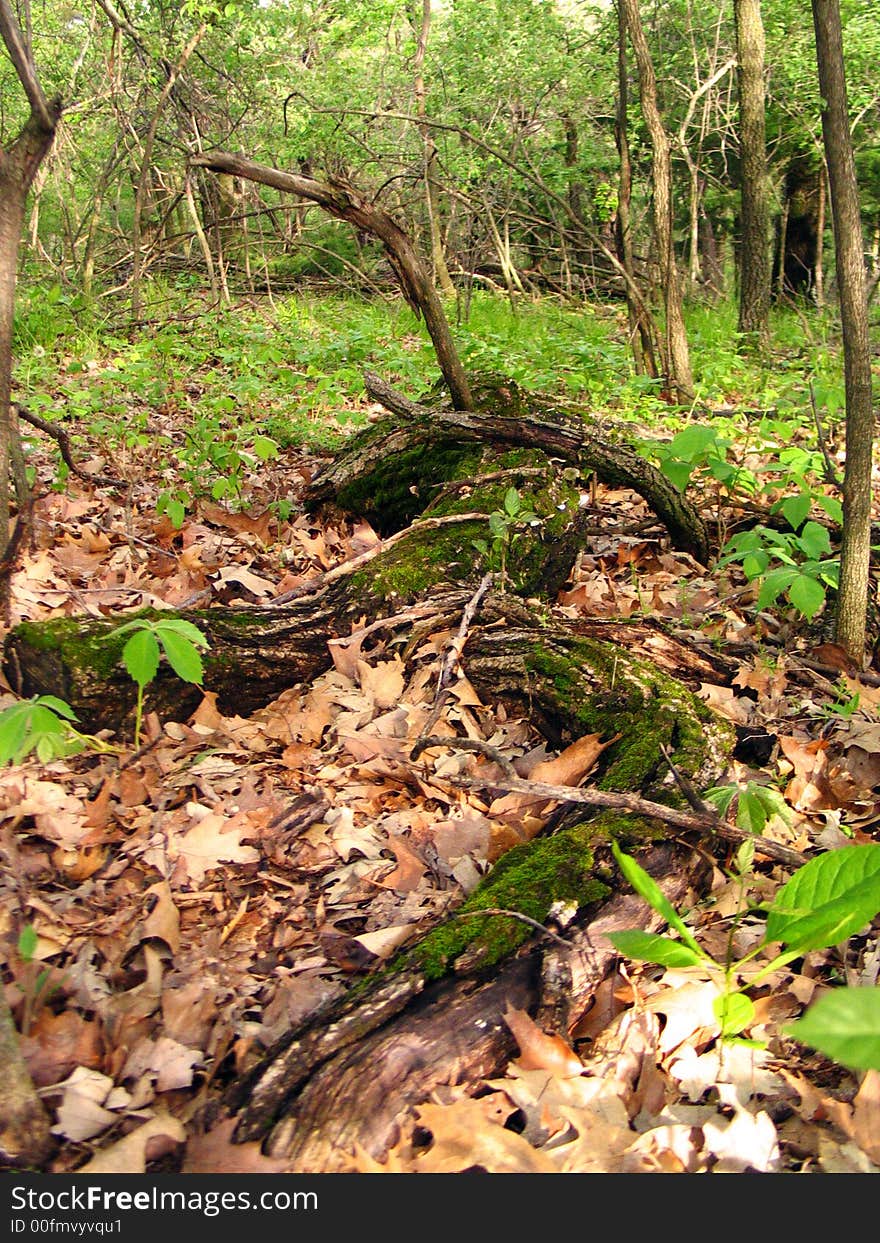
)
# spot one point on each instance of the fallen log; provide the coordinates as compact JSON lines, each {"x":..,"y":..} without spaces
{"x":350,"y":1082}
{"x":434,"y":1015}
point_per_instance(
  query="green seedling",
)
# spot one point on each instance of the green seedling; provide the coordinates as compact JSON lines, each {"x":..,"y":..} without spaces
{"x":505,"y":527}
{"x":178,"y":640}
{"x":824,"y":904}
{"x":43,"y":725}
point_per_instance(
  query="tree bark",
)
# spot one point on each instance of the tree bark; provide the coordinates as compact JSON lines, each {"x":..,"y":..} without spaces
{"x":852,"y":599}
{"x":641,"y":338}
{"x":19,"y":163}
{"x":346,"y":203}
{"x":353,"y":1079}
{"x":678,"y":363}
{"x":754,"y":293}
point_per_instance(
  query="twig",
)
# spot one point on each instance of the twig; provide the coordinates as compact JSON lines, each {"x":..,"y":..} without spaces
{"x":478,"y":481}
{"x":61,"y":438}
{"x":700,"y":822}
{"x":524,"y":919}
{"x":452,"y":655}
{"x":830,"y":475}
{"x":425,"y":742}
{"x":693,"y":798}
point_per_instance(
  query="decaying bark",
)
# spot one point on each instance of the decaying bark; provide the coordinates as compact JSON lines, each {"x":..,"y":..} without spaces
{"x":350,"y":1082}
{"x":434,"y":1015}
{"x":506,"y":416}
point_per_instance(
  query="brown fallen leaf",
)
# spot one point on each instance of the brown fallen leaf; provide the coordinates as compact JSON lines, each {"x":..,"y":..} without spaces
{"x":382,"y":683}
{"x":212,"y":840}
{"x":410,"y":869}
{"x":129,"y":1154}
{"x":464,"y":1138}
{"x":57,"y":1043}
{"x":537,"y":1049}
{"x":163,"y":920}
{"x":568,"y":768}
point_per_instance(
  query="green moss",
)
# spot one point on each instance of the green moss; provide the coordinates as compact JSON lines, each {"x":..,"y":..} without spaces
{"x":528,"y":879}
{"x":646,"y":707}
{"x":84,"y":646}
{"x":400,"y":486}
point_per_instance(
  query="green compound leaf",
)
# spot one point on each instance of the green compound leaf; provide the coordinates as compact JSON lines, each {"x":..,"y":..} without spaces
{"x":177,"y":625}
{"x":796,"y":508}
{"x":751,"y":814}
{"x":774,"y":584}
{"x":828,"y":900}
{"x":183,"y":657}
{"x":649,"y":947}
{"x":807,"y":595}
{"x":141,"y":656}
{"x":59,"y":706}
{"x":844,"y":1025}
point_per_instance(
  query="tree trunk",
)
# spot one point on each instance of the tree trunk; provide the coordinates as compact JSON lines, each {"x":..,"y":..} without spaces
{"x":351,"y":1079}
{"x":641,"y":338}
{"x":346,"y":203}
{"x":855,"y":553}
{"x":678,"y":363}
{"x":432,"y":195}
{"x":754,"y":293}
{"x":19,"y":163}
{"x":794,"y":269}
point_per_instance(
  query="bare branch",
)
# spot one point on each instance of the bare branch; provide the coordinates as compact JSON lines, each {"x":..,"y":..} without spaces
{"x":20,"y":55}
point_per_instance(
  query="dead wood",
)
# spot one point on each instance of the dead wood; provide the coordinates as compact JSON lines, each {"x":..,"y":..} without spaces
{"x":506,"y":416}
{"x":353,"y":1081}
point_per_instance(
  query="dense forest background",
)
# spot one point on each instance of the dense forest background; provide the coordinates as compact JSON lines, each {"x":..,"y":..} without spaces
{"x":494,"y":132}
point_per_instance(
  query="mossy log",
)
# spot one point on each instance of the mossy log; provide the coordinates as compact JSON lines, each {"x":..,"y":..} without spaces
{"x":434,"y":443}
{"x":434,"y":1015}
{"x":348,"y":1080}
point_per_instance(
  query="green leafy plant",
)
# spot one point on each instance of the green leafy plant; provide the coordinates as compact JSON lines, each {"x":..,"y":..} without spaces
{"x":844,"y":1024}
{"x":755,"y":804}
{"x":43,"y":725}
{"x":35,"y":982}
{"x":698,"y":448}
{"x":796,"y":565}
{"x":178,"y":640}
{"x":823,"y":904}
{"x":505,"y":526}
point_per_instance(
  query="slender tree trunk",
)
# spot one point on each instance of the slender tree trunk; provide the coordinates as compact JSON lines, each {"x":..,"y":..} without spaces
{"x":19,"y":163}
{"x":852,"y":600}
{"x":640,"y":332}
{"x":432,"y":197}
{"x":754,"y":291}
{"x":146,"y":163}
{"x":678,"y":363}
{"x":820,"y":237}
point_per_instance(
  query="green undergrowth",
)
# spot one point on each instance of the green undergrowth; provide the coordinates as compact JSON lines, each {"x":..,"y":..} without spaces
{"x":292,"y":370}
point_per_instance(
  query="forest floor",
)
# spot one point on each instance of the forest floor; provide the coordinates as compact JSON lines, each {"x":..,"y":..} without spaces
{"x":162,"y":926}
